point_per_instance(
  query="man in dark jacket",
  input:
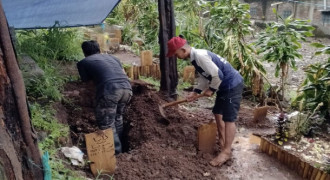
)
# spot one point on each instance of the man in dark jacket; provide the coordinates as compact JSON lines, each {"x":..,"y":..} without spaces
{"x":113,"y":89}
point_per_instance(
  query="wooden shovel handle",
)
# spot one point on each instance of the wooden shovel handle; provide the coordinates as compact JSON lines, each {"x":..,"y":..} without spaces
{"x":180,"y":101}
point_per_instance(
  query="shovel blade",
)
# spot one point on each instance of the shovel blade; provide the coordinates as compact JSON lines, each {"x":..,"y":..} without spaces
{"x":161,"y":110}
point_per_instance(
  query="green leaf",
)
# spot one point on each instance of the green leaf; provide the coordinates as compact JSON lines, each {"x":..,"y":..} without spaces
{"x":317,"y":45}
{"x":318,"y":53}
{"x":280,"y":143}
{"x":274,"y":11}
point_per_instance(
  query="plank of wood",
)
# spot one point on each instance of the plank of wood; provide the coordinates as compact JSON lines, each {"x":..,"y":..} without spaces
{"x":207,"y":134}
{"x":118,"y":35}
{"x":146,"y":58}
{"x":101,"y":152}
{"x":189,"y":74}
{"x":254,"y":139}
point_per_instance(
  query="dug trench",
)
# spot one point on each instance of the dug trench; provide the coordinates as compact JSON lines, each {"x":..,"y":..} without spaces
{"x":159,"y":149}
{"x":153,"y":147}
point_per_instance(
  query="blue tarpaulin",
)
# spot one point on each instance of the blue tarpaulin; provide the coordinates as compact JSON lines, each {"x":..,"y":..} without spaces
{"x":32,"y":14}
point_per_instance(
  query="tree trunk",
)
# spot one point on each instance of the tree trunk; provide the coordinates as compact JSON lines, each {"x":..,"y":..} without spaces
{"x":168,"y":66}
{"x":19,"y":153}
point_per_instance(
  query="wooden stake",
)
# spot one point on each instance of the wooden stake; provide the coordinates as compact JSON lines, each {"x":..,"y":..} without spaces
{"x":148,"y":71}
{"x":306,"y":169}
{"x":266,"y":147}
{"x":279,"y":154}
{"x":318,"y":175}
{"x":136,"y":72}
{"x":314,"y":173}
{"x":324,"y":175}
{"x":285,"y":157}
{"x":311,"y":169}
{"x":141,"y":68}
{"x":275,"y":151}
{"x":294,"y":162}
{"x":289,"y":160}
{"x":301,"y":168}
{"x":270,"y":149}
{"x":131,"y":72}
{"x":282,"y":156}
{"x":262,"y":142}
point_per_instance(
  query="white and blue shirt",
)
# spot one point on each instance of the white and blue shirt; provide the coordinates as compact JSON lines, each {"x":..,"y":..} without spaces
{"x":215,"y":72}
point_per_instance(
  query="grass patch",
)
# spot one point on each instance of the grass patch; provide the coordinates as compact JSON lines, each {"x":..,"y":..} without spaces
{"x":182,"y":85}
{"x":43,"y":119}
{"x":48,"y":86}
{"x":152,"y":81}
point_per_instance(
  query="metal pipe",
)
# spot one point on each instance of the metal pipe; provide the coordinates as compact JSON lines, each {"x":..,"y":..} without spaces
{"x":325,"y":4}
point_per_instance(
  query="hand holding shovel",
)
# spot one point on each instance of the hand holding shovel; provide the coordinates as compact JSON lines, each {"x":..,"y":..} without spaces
{"x":162,"y":106}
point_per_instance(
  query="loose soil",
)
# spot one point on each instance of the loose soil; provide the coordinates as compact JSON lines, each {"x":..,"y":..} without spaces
{"x":156,"y":148}
{"x":159,"y":149}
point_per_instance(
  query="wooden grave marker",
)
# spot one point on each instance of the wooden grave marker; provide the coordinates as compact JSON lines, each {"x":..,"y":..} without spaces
{"x":146,"y":58}
{"x":206,"y":137}
{"x":114,"y":44}
{"x":101,"y":152}
{"x":118,"y":34}
{"x":189,"y":74}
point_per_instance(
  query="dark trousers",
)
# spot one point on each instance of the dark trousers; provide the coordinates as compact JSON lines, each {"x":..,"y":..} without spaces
{"x":109,"y":114}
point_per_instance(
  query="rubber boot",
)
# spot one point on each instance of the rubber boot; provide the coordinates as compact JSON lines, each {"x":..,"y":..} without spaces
{"x":119,"y":129}
{"x":118,"y":147}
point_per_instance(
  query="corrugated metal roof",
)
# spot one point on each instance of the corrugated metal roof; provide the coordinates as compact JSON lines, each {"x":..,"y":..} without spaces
{"x":33,"y":14}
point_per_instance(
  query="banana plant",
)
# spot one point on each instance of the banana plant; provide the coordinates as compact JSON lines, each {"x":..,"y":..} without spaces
{"x":225,"y":33}
{"x":315,"y":90}
{"x":280,"y":43}
{"x":139,"y":20}
{"x":190,"y":21}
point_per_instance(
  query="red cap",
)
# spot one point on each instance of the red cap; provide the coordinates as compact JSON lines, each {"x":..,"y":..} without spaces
{"x":174,"y":44}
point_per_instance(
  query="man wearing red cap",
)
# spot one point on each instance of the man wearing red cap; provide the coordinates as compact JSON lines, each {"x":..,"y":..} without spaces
{"x":216,"y":76}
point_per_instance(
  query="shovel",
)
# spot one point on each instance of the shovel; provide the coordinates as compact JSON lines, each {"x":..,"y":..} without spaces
{"x":162,"y":106}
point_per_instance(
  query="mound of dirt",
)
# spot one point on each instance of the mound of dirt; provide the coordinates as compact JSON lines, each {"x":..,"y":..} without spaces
{"x":79,"y":106}
{"x":155,"y":148}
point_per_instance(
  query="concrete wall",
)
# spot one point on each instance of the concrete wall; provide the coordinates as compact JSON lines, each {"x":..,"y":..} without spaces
{"x":313,"y":10}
